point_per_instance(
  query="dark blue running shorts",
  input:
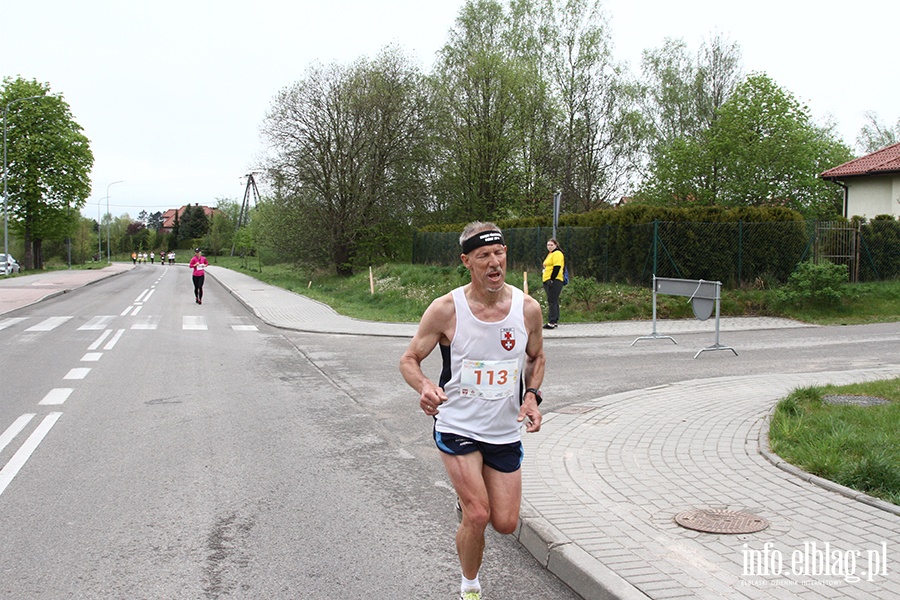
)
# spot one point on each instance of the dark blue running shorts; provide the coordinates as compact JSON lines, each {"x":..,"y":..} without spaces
{"x":506,"y":458}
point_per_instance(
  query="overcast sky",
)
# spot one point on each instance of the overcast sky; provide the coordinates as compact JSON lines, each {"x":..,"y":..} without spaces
{"x":172,"y":94}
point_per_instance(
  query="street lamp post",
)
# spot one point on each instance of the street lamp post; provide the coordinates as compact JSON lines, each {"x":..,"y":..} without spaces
{"x":5,"y":176}
{"x":99,"y":234}
{"x":108,"y":259}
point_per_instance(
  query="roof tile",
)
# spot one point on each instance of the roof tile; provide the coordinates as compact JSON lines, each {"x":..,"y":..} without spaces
{"x":880,"y":162}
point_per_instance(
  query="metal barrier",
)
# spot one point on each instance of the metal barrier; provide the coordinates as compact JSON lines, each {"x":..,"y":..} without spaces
{"x":704,"y":295}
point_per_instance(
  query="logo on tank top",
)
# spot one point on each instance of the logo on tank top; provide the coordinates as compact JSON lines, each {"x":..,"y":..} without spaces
{"x":508,"y":338}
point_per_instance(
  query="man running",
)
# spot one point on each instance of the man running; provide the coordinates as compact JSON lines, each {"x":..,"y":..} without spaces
{"x":490,"y":338}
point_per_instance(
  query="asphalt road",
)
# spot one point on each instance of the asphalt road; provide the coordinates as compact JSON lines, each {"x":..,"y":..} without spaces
{"x":154,"y":448}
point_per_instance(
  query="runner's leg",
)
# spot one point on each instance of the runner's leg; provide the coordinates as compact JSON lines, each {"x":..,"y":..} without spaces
{"x":465,"y":473}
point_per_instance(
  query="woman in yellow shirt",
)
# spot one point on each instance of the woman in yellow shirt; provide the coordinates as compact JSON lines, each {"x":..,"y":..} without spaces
{"x":554,"y":268}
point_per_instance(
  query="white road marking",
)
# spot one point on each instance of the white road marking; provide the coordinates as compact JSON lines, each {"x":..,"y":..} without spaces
{"x":114,"y":340}
{"x":19,"y":459}
{"x":56,"y":396}
{"x":243,"y":324}
{"x":49,"y":324}
{"x":100,"y":339}
{"x":194,"y":323}
{"x":147,"y":297}
{"x":13,"y":430}
{"x":96,"y":323}
{"x":126,"y":311}
{"x":139,"y":298}
{"x":11,"y":321}
{"x":77,"y":373}
{"x":147,"y":322}
{"x":137,"y":310}
{"x":91,"y":357}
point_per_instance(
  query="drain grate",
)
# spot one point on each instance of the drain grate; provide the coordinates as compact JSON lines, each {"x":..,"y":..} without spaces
{"x":855,"y":400}
{"x":721,"y":521}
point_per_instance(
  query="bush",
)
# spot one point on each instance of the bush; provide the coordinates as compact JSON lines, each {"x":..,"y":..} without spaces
{"x":585,"y":290}
{"x":821,"y":285}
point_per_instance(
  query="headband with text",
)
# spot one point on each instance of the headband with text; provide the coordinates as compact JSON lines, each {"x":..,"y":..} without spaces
{"x":485,"y":238}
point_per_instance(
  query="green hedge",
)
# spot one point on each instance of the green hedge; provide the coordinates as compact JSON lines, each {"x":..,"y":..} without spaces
{"x":631,"y":243}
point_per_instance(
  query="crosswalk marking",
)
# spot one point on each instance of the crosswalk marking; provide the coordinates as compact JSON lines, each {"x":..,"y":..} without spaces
{"x":49,"y":324}
{"x":97,"y":323}
{"x":100,"y":339}
{"x":56,"y":396}
{"x":11,"y":321}
{"x":146,"y":322}
{"x":19,"y":459}
{"x":77,"y":373}
{"x":13,"y":430}
{"x":113,"y":341}
{"x":243,"y":324}
{"x":194,"y":323}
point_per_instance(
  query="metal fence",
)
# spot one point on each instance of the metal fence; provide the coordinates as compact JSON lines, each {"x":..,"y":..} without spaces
{"x":735,"y":253}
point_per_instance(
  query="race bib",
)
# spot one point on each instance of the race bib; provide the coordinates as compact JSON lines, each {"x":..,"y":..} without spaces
{"x":489,"y":379}
{"x":200,"y":267}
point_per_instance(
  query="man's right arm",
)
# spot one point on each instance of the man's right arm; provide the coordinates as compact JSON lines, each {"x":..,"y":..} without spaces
{"x":432,"y":330}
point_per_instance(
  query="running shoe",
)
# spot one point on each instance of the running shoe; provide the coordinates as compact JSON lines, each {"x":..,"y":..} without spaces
{"x":470,"y":596}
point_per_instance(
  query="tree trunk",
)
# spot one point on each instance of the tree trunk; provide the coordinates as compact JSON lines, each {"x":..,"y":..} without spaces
{"x":28,"y":259}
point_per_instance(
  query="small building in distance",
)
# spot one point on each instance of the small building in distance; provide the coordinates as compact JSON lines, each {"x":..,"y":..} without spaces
{"x":871,"y":183}
{"x":168,"y":217}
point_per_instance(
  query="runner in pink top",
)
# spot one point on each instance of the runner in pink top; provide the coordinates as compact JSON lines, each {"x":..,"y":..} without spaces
{"x":198,"y":264}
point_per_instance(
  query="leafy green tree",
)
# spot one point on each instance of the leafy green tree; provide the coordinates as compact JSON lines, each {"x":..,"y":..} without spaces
{"x":84,"y":240}
{"x":478,"y":84}
{"x":220,"y":234}
{"x":49,"y":162}
{"x":771,"y":152}
{"x":762,"y":149}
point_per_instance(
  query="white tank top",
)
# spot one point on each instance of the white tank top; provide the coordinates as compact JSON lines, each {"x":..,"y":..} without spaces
{"x":482,"y":375}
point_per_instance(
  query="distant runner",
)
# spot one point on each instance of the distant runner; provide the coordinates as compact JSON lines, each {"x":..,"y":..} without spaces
{"x":198,"y":264}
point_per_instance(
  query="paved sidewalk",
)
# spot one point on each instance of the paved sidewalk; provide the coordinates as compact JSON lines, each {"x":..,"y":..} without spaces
{"x":608,"y":477}
{"x":24,"y":290}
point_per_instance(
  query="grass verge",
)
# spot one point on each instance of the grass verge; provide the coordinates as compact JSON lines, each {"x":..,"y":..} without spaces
{"x":402,"y":292}
{"x":854,"y":446}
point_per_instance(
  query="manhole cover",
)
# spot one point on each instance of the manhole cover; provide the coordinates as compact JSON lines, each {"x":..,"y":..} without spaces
{"x":855,"y":400}
{"x":720,"y":521}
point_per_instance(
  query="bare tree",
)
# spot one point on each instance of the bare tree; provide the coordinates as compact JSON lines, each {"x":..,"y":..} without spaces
{"x":875,"y":135}
{"x":347,"y":153}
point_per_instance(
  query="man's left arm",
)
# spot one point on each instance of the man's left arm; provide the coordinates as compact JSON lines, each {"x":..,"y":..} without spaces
{"x":534,"y":364}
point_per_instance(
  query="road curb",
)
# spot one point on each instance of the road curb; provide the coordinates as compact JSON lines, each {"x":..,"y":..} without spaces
{"x":586,"y":575}
{"x":826,"y":484}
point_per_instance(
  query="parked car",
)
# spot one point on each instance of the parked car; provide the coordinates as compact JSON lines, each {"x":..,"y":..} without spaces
{"x":8,"y":264}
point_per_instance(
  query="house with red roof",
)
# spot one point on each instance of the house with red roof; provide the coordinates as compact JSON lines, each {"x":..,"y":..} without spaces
{"x":871,"y":183}
{"x":168,"y":217}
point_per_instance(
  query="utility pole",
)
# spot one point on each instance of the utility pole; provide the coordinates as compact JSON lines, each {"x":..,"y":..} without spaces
{"x":244,"y":216}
